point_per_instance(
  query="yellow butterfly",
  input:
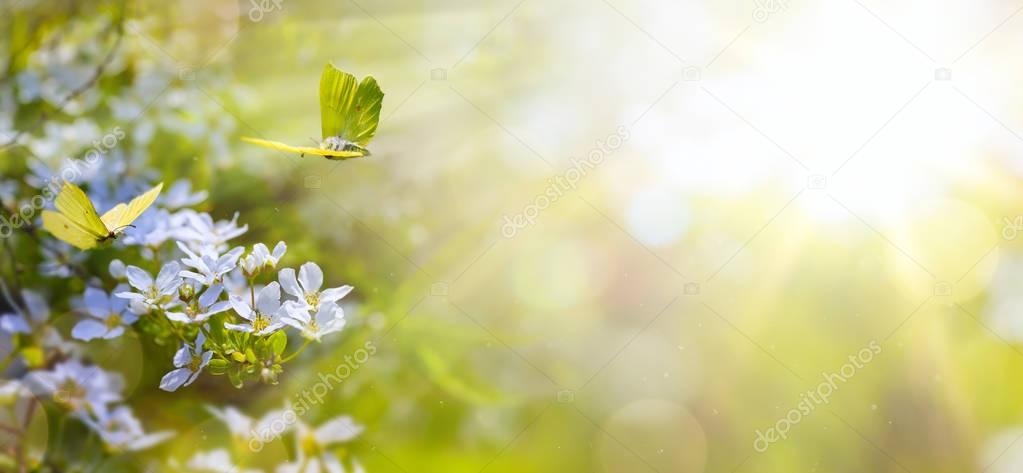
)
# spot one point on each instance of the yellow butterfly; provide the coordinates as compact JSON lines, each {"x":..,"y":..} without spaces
{"x":349,"y":114}
{"x":77,"y":222}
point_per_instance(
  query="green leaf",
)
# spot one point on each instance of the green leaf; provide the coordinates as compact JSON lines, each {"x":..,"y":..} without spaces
{"x":216,"y":329}
{"x":235,"y":376}
{"x":278,"y":342}
{"x":218,"y":366}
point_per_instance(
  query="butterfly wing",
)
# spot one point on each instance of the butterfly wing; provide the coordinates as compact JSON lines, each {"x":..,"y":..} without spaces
{"x":349,"y":110}
{"x":112,"y":218}
{"x":66,"y":230}
{"x":277,"y":145}
{"x":77,"y":208}
{"x":123,"y":215}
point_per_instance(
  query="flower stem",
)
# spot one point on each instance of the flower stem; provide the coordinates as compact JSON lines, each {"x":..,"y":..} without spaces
{"x":296,"y":352}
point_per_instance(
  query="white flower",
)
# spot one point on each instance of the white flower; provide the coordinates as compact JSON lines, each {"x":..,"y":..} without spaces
{"x":12,"y":391}
{"x":200,"y":231}
{"x":245,"y":428}
{"x":329,"y":318}
{"x":214,"y":461}
{"x":201,"y":308}
{"x":108,"y":315}
{"x":78,"y":387}
{"x":153,"y":293}
{"x":121,"y":431}
{"x":38,"y":312}
{"x":307,"y":288}
{"x":237,"y":422}
{"x":180,"y":195}
{"x":117,"y":269}
{"x":58,"y":261}
{"x":151,"y":230}
{"x":313,"y":454}
{"x":189,"y":362}
{"x":211,"y":267}
{"x":261,"y":258}
{"x":263,"y":319}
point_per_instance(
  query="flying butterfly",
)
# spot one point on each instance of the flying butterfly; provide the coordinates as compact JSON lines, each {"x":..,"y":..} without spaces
{"x":349,"y":113}
{"x":77,"y":222}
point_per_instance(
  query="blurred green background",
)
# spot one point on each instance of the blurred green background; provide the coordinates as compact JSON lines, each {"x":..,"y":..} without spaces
{"x":798,"y":180}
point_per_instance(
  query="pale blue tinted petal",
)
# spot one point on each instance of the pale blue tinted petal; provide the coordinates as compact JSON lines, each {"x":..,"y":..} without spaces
{"x":238,"y":327}
{"x":173,"y":380}
{"x":179,"y":317}
{"x":268,"y":300}
{"x":241,"y":307}
{"x":139,"y":278}
{"x":279,"y":250}
{"x":114,"y":333}
{"x":182,"y":357}
{"x":218,"y":308}
{"x":168,"y":273}
{"x":88,"y":329}
{"x":96,"y":302}
{"x":14,"y":323}
{"x":298,"y":324}
{"x":118,"y":304}
{"x":211,"y":295}
{"x":38,"y":310}
{"x":205,"y":359}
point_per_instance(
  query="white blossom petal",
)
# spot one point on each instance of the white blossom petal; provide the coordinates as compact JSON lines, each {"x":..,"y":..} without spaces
{"x":311,"y":277}
{"x":289,"y":283}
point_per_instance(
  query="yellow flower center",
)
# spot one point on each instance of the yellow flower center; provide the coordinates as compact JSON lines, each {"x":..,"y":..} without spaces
{"x":193,"y":364}
{"x":313,"y":299}
{"x":309,"y":445}
{"x":113,"y":321}
{"x":260,"y":323}
{"x":69,"y":393}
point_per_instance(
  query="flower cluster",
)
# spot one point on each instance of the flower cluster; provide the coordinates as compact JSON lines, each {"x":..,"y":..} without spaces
{"x":227,"y":309}
{"x":312,"y":444}
{"x":239,"y":330}
{"x":92,"y":395}
{"x":177,"y":281}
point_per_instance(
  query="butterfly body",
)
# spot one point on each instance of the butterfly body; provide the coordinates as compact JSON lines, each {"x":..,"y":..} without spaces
{"x":76,"y":221}
{"x":336,"y":143}
{"x":349,"y":114}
